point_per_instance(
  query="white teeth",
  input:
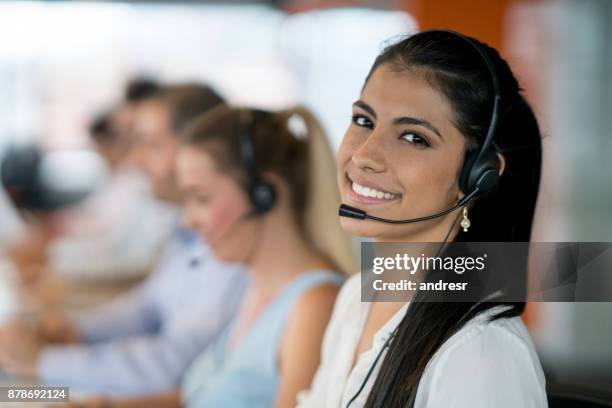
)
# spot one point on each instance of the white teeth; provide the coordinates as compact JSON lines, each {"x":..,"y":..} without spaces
{"x":370,"y":192}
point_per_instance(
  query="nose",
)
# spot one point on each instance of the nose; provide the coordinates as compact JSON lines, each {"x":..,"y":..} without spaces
{"x":369,"y":155}
{"x":187,"y":218}
{"x":134,"y":156}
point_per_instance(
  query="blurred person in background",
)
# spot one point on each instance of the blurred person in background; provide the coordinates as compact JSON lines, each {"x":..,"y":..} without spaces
{"x":249,"y":181}
{"x":258,"y":191}
{"x":143,"y":341}
{"x":122,"y":226}
{"x":119,"y":229}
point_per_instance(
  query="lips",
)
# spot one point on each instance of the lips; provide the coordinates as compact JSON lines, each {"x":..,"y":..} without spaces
{"x":370,"y":194}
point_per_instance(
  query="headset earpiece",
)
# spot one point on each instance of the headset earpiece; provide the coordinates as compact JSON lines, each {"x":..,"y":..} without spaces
{"x":480,"y":172}
{"x":262,"y":194}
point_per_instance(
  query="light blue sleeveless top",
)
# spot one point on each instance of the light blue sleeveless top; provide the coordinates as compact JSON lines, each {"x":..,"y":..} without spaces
{"x":248,"y":376}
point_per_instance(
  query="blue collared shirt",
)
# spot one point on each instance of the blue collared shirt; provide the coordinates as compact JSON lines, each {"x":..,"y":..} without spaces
{"x":144,"y":341}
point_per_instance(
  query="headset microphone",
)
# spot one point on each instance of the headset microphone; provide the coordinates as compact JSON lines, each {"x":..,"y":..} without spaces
{"x":352,"y":212}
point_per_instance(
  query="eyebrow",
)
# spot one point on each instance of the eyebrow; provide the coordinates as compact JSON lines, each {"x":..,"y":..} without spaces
{"x":403,"y":120}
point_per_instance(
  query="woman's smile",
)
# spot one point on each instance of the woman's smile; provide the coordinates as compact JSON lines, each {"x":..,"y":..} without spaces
{"x":364,"y":191}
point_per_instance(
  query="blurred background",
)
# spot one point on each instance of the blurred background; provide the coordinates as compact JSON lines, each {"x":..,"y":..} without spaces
{"x":64,"y":62}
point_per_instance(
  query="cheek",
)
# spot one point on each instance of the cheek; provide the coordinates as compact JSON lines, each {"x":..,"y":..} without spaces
{"x":166,"y":159}
{"x":150,"y":159}
{"x":346,"y":149}
{"x":345,"y":152}
{"x":221,"y":215}
{"x":430,"y":180}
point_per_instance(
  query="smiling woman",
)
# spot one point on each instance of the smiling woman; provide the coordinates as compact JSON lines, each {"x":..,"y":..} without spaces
{"x":395,"y":145}
{"x":439,"y":122}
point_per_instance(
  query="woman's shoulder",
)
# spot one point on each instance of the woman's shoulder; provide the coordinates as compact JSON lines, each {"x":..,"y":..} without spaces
{"x":485,"y":326}
{"x":484,"y":339}
{"x":326,"y":299}
{"x":323,"y":286}
{"x":308,"y":319}
{"x":316,"y":291}
{"x":487,"y":360}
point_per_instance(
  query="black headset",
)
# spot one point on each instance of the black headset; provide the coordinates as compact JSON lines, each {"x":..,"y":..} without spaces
{"x":480,"y":172}
{"x":262,"y":195}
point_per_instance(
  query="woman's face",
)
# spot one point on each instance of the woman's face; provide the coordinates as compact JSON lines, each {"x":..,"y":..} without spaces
{"x":400,"y":157}
{"x":214,"y":205}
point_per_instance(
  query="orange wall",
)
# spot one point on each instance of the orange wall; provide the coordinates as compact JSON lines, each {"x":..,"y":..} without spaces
{"x":482,"y":19}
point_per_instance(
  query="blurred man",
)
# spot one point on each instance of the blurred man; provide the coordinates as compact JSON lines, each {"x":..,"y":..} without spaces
{"x":143,"y":342}
{"x":121,"y":227}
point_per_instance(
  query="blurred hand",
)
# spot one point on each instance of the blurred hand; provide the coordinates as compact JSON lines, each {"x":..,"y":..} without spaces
{"x":20,"y":349}
{"x":29,"y":255}
{"x":48,"y":291}
{"x":56,"y":327}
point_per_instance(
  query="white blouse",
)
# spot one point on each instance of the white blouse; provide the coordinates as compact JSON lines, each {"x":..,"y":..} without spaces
{"x":484,"y":364}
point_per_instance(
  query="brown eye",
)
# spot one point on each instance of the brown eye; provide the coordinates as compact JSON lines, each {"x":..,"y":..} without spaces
{"x":362,"y":121}
{"x":415,"y":139}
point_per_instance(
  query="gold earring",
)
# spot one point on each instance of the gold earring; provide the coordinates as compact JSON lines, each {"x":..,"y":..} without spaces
{"x":465,"y":222}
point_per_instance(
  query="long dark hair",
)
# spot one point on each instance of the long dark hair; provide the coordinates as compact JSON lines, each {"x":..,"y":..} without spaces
{"x":452,"y":66}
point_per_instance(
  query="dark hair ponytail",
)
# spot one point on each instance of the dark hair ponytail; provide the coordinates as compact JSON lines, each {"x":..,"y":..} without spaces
{"x":452,"y":66}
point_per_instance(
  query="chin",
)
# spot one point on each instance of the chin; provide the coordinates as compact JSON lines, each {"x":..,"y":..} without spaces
{"x":227,"y":255}
{"x":379,"y":232}
{"x":221,"y":257}
{"x":360,"y":228}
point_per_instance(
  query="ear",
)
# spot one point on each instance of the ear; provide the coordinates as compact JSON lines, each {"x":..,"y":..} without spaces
{"x":272,"y":178}
{"x":502,"y":163}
